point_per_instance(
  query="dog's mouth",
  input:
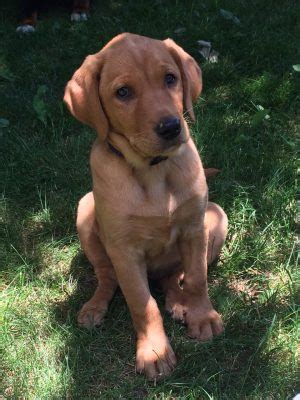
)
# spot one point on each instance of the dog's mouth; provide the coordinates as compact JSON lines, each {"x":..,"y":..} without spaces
{"x":160,"y":147}
{"x":166,"y":150}
{"x":138,"y":150}
{"x":172,"y":148}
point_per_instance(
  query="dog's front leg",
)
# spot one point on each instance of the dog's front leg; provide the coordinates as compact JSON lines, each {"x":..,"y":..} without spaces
{"x":154,"y":354}
{"x":202,"y":320}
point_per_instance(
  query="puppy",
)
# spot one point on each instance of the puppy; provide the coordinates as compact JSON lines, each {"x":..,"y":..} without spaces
{"x":30,"y":9}
{"x":148,"y":213}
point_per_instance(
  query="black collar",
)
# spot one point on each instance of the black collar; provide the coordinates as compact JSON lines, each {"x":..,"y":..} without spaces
{"x":153,"y":161}
{"x":116,"y":151}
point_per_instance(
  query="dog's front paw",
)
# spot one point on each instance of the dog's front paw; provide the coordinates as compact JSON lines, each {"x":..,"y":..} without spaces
{"x":155,"y":357}
{"x":202,"y":320}
{"x":90,"y":315}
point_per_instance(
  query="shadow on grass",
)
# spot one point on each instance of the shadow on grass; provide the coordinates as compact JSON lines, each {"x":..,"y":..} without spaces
{"x":237,"y":364}
{"x":101,"y":361}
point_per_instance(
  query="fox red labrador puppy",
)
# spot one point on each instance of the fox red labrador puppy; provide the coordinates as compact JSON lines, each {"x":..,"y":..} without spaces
{"x":148,"y":213}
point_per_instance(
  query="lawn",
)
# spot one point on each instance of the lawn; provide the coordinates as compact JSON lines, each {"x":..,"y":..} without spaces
{"x":246,"y":126}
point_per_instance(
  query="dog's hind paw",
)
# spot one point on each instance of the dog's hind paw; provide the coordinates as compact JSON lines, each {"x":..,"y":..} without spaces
{"x":90,"y":317}
{"x":174,"y":306}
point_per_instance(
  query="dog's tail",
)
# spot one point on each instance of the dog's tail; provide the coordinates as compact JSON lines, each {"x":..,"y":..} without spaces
{"x":211,"y":172}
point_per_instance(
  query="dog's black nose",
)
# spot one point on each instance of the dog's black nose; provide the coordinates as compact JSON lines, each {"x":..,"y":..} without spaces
{"x":168,"y":128}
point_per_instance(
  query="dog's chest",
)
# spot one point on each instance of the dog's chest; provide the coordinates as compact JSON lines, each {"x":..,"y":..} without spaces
{"x":161,"y":219}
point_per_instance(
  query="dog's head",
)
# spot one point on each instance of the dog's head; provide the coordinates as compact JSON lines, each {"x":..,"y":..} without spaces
{"x":138,"y":88}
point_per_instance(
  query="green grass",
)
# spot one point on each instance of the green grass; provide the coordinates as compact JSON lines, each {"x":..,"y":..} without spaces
{"x":44,"y":172}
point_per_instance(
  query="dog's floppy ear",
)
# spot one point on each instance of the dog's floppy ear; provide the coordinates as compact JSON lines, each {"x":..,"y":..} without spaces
{"x":190,"y":74}
{"x":82,"y":95}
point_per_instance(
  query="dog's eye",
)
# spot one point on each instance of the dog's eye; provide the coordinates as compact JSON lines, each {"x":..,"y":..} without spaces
{"x":170,"y":79}
{"x":123,"y":93}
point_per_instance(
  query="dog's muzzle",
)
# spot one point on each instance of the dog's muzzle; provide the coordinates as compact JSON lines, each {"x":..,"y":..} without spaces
{"x":168,"y":128}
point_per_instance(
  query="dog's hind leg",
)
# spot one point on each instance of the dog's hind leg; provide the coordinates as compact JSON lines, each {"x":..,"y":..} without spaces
{"x":173,"y":301}
{"x":217,"y":223}
{"x":93,"y":311}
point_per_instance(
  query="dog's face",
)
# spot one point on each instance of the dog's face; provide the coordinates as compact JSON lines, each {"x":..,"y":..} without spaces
{"x":138,"y":88}
{"x":142,"y":94}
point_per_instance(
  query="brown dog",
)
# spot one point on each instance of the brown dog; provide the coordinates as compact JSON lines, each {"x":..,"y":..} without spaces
{"x":148,"y":212}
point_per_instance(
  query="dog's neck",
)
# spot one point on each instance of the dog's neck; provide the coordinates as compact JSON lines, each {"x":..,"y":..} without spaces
{"x":153,"y":161}
{"x":118,"y":142}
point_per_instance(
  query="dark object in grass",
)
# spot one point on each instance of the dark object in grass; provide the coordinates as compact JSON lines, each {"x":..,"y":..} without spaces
{"x":31,"y":8}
